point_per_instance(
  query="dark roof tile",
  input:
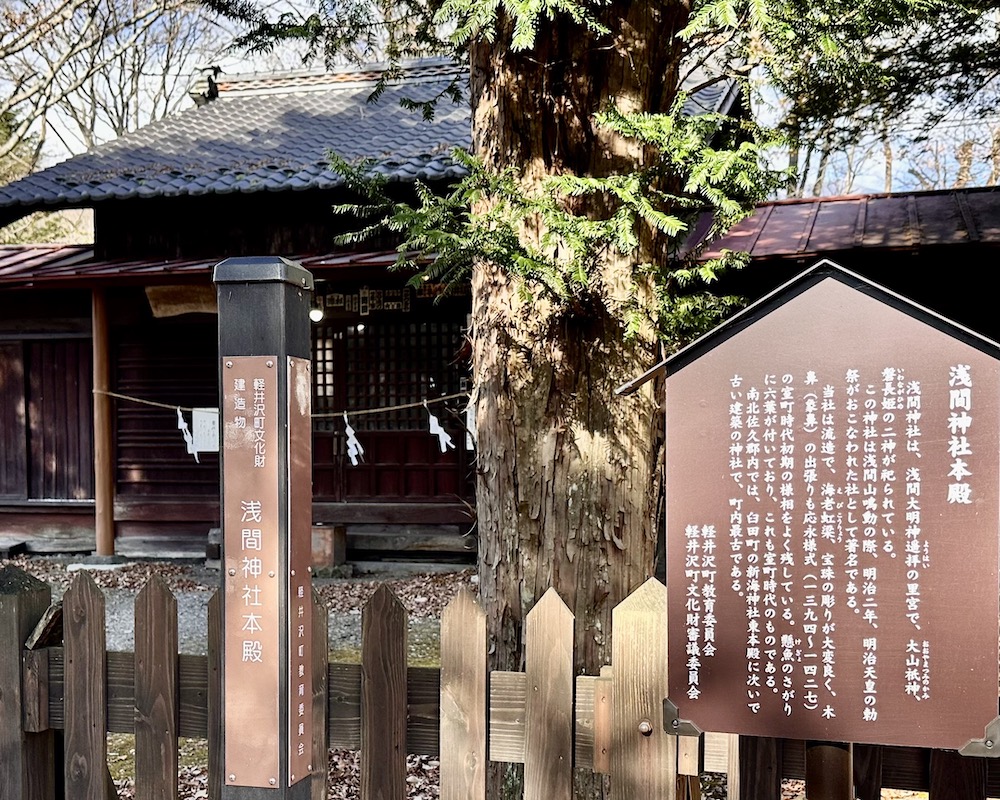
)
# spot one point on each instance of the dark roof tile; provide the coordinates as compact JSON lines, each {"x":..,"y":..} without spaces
{"x":273,"y":132}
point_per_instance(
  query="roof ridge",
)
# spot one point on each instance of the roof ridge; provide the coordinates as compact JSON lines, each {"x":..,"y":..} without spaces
{"x":869,"y":196}
{"x":258,"y":83}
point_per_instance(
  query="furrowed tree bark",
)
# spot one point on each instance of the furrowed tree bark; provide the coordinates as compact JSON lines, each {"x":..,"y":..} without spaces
{"x":568,"y":472}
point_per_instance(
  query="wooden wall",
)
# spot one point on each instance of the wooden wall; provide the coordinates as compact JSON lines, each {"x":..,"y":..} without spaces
{"x":47,"y":419}
{"x":388,"y":359}
{"x":943,"y":279}
{"x":286,"y":223}
{"x":13,"y":455}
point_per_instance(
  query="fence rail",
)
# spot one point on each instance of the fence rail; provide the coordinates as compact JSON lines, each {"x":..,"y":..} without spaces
{"x":61,"y":691}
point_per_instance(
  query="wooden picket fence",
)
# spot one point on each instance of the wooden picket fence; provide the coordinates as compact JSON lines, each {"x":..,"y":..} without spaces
{"x":55,"y":710}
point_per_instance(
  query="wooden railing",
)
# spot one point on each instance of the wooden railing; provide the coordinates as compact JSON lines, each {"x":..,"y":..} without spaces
{"x":61,"y":691}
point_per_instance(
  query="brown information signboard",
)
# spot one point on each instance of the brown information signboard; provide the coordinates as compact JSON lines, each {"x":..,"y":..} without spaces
{"x":832,"y":524}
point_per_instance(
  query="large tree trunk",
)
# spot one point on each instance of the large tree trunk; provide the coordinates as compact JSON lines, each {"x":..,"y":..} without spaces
{"x":568,"y":475}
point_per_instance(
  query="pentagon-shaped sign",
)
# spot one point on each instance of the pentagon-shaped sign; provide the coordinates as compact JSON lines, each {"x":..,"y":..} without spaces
{"x":833,"y":462}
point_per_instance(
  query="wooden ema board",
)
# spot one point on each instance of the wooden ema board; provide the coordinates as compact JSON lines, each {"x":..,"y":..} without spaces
{"x":832,"y":525}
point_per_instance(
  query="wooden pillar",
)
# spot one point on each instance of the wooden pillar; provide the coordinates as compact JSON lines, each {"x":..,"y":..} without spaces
{"x":829,"y":771}
{"x":957,"y":777}
{"x":104,"y":457}
{"x":867,"y":760}
{"x":760,"y":768}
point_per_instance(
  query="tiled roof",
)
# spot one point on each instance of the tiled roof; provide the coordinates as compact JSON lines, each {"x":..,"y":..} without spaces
{"x":818,"y":226}
{"x":265,"y":134}
{"x":272,"y":133}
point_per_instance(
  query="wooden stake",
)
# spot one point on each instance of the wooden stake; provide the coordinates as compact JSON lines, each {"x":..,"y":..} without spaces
{"x":643,"y":755}
{"x":548,"y":713}
{"x":463,"y":699}
{"x":26,"y":759}
{"x":104,"y":455}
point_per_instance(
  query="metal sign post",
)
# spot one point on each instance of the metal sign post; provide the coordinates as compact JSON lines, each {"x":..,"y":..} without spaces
{"x":264,"y":350}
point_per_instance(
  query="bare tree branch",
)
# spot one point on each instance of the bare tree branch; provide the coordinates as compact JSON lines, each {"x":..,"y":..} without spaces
{"x":97,"y":70}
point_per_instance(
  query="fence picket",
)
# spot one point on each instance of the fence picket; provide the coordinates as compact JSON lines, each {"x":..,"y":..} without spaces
{"x":383,"y":697}
{"x":214,"y":733}
{"x":156,"y":692}
{"x":643,"y":755}
{"x":26,"y":759}
{"x":760,"y":768}
{"x":868,"y":771}
{"x":86,"y":712}
{"x":548,"y":729}
{"x":463,"y":699}
{"x":955,"y":777}
{"x":320,"y":708}
{"x":389,"y":709}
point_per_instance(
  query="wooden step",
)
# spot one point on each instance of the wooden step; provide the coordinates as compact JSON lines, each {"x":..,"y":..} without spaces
{"x":12,"y":547}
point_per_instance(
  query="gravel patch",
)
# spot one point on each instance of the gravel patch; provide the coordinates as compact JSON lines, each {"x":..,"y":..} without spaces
{"x":424,"y":596}
{"x":192,"y":616}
